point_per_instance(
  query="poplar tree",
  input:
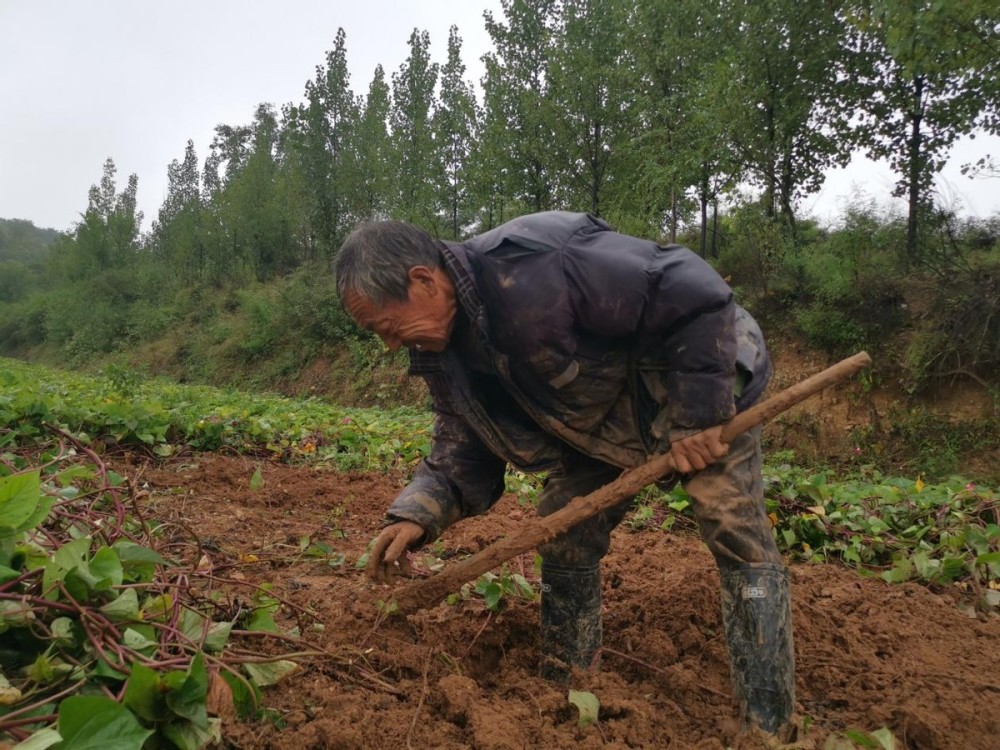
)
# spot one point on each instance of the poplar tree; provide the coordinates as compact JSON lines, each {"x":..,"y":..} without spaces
{"x":455,"y":129}
{"x":413,"y":103}
{"x":107,"y":236}
{"x":320,"y":138}
{"x":177,"y":239}
{"x":519,"y":108}
{"x":928,"y":74}
{"x":374,"y":196}
{"x":593,"y":91}
{"x":663,"y":41}
{"x":779,"y":57}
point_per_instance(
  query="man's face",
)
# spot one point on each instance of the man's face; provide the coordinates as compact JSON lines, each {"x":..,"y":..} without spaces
{"x":424,"y":321}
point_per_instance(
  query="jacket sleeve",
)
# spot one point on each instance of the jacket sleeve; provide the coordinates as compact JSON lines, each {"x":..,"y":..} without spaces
{"x":460,"y":478}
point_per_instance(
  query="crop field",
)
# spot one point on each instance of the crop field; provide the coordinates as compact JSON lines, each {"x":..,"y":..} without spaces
{"x":182,"y":567}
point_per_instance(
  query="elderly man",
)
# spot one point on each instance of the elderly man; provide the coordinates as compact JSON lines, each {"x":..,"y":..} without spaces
{"x":554,"y":344}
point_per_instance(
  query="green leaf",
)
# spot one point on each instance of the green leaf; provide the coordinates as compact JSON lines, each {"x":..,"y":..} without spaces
{"x":77,"y":471}
{"x":188,"y":736}
{"x":119,"y":673}
{"x":193,"y":624}
{"x":257,"y":480}
{"x":130,"y":553}
{"x":140,"y":638}
{"x":988,"y":559}
{"x":138,"y":571}
{"x":62,"y":632}
{"x":902,"y":570}
{"x":19,"y":498}
{"x":45,"y":504}
{"x":40,"y":740}
{"x":885,"y":738}
{"x":218,"y":636}
{"x":862,"y":739}
{"x":98,"y":723}
{"x":492,"y":592}
{"x":158,"y":607}
{"x":125,"y":607}
{"x":143,"y":694}
{"x":263,"y":619}
{"x":926,"y":567}
{"x":79,"y":583}
{"x":271,"y":672}
{"x":246,"y":695}
{"x":106,"y":569}
{"x":72,"y":554}
{"x":951,"y":568}
{"x":188,"y":700}
{"x":7,"y":574}
{"x":587,"y":704}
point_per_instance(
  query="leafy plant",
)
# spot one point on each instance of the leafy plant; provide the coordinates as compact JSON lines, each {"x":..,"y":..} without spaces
{"x":164,"y":417}
{"x":526,"y":487}
{"x":906,"y":529}
{"x":494,"y":588}
{"x":107,"y":642}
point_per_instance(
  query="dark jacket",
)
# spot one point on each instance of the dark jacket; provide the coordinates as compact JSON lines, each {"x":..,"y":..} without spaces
{"x":572,"y":335}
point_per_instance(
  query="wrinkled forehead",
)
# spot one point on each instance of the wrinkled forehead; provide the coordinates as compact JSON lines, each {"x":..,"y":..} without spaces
{"x":359,"y":307}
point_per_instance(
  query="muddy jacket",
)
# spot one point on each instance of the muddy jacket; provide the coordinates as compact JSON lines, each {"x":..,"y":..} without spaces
{"x":572,"y":336}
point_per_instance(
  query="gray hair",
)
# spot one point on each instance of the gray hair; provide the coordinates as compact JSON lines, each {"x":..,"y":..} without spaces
{"x":376,"y":258}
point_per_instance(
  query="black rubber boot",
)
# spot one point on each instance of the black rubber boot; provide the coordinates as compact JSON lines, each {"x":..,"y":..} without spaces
{"x":756,"y":612}
{"x":571,"y":619}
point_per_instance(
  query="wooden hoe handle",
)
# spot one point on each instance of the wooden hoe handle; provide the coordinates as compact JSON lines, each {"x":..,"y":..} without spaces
{"x":423,"y":593}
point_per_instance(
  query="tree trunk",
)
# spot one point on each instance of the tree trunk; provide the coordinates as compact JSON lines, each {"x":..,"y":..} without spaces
{"x":786,"y":192}
{"x":715,"y":227}
{"x":703,"y":199}
{"x":673,"y":216}
{"x":914,"y":158}
{"x":595,"y":172}
{"x":770,"y":172}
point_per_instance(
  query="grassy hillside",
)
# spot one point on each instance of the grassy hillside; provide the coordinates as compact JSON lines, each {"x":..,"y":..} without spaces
{"x":933,"y":331}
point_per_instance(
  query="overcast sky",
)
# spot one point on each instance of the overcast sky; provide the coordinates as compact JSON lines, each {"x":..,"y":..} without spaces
{"x":84,"y":80}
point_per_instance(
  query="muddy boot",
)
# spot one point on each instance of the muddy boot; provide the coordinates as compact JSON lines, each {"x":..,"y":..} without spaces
{"x":756,"y":612}
{"x":571,"y":619}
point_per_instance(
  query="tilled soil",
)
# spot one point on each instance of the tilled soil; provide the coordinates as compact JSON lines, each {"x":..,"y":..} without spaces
{"x":869,"y":655}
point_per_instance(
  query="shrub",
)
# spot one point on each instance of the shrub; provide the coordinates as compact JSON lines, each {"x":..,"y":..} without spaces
{"x":756,"y":250}
{"x":958,"y":330}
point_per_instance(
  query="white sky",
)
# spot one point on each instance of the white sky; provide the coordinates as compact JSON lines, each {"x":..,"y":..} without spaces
{"x":84,"y":80}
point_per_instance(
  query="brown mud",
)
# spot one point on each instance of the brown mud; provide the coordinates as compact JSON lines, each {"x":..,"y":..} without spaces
{"x":869,"y":655}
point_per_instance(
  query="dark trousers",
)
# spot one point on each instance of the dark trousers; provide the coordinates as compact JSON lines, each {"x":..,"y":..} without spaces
{"x":727,"y":499}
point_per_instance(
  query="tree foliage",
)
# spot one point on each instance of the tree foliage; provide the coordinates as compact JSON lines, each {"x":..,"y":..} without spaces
{"x":709,"y":121}
{"x":927,"y":73}
{"x":413,"y":103}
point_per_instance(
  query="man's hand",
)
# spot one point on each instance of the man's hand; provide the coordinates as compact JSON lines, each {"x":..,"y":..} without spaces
{"x":388,"y":555}
{"x":697,"y":451}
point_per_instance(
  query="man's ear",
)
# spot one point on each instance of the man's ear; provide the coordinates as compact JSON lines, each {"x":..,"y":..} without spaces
{"x":423,"y":277}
